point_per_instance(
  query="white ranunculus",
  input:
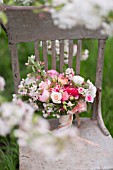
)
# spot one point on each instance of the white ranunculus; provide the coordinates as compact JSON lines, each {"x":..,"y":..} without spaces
{"x":78,"y":79}
{"x":56,"y":97}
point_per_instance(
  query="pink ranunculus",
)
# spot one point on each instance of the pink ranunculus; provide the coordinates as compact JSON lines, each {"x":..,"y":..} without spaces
{"x":45,"y":96}
{"x":63,"y":80}
{"x":52,"y":73}
{"x":72,"y":91}
{"x":65,"y":96}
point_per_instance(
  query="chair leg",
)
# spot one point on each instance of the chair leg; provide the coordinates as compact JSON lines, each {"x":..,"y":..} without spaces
{"x":97,"y":114}
{"x":101,"y":124}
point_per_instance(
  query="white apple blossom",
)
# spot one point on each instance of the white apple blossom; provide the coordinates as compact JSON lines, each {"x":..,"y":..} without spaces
{"x":69,"y":71}
{"x":11,"y":114}
{"x":2,"y":83}
{"x":90,"y":13}
{"x":29,"y":80}
{"x":66,"y":61}
{"x":85,"y":55}
{"x":78,"y":79}
{"x":1,"y":1}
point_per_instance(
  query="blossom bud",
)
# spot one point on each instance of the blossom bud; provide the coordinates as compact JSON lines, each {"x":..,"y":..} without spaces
{"x":71,"y":98}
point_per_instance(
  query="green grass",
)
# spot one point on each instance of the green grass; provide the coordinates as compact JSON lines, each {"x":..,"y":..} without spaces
{"x":8,"y":154}
{"x":9,"y":150}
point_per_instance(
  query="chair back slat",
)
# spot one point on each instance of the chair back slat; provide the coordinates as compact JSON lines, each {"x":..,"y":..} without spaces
{"x":15,"y":65}
{"x":37,"y":50}
{"x":100,"y":61}
{"x":30,"y":26}
{"x":44,"y":50}
{"x":53,"y":51}
{"x":61,"y":55}
{"x":99,"y":72}
{"x":70,"y":53}
{"x":78,"y":56}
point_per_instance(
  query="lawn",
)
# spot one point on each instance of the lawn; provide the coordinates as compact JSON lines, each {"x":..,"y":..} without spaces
{"x":9,"y":149}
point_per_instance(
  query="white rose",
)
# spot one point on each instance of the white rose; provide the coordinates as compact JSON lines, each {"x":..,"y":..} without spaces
{"x":77,"y":79}
{"x":92,"y":89}
{"x":56,"y":97}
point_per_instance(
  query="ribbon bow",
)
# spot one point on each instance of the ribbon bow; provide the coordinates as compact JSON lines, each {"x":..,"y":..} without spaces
{"x":66,"y":121}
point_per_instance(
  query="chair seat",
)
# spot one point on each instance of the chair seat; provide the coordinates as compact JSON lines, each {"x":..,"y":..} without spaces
{"x":81,"y":155}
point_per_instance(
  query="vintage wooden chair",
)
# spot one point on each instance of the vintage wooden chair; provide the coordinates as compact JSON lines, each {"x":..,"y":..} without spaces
{"x":26,"y":26}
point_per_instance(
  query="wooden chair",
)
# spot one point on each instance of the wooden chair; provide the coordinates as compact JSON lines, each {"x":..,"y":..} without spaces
{"x":26,"y":26}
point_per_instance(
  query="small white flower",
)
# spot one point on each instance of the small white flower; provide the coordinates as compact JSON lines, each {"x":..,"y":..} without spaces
{"x":45,"y":115}
{"x":58,"y":116}
{"x":70,"y":104}
{"x":78,"y":79}
{"x":56,"y":97}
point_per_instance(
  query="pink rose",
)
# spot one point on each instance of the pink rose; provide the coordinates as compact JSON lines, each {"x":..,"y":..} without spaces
{"x":65,"y":96}
{"x":45,"y":96}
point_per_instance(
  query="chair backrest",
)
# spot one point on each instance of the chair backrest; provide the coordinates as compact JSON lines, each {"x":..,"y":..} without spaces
{"x":26,"y":26}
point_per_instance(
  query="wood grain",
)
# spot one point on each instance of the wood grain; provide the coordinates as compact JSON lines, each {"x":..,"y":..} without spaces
{"x":70,"y":53}
{"x":53,"y":50}
{"x":78,"y":56}
{"x":30,"y":26}
{"x":15,"y":65}
{"x":37,"y":50}
{"x":61,"y":55}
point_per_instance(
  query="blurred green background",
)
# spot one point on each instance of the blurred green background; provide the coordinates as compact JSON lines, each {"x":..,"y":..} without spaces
{"x":9,"y":151}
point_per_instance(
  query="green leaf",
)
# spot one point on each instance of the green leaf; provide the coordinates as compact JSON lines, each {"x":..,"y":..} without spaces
{"x":3,"y":17}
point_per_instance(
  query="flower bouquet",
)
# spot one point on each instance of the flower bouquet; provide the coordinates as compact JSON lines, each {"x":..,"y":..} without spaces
{"x":56,"y":94}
